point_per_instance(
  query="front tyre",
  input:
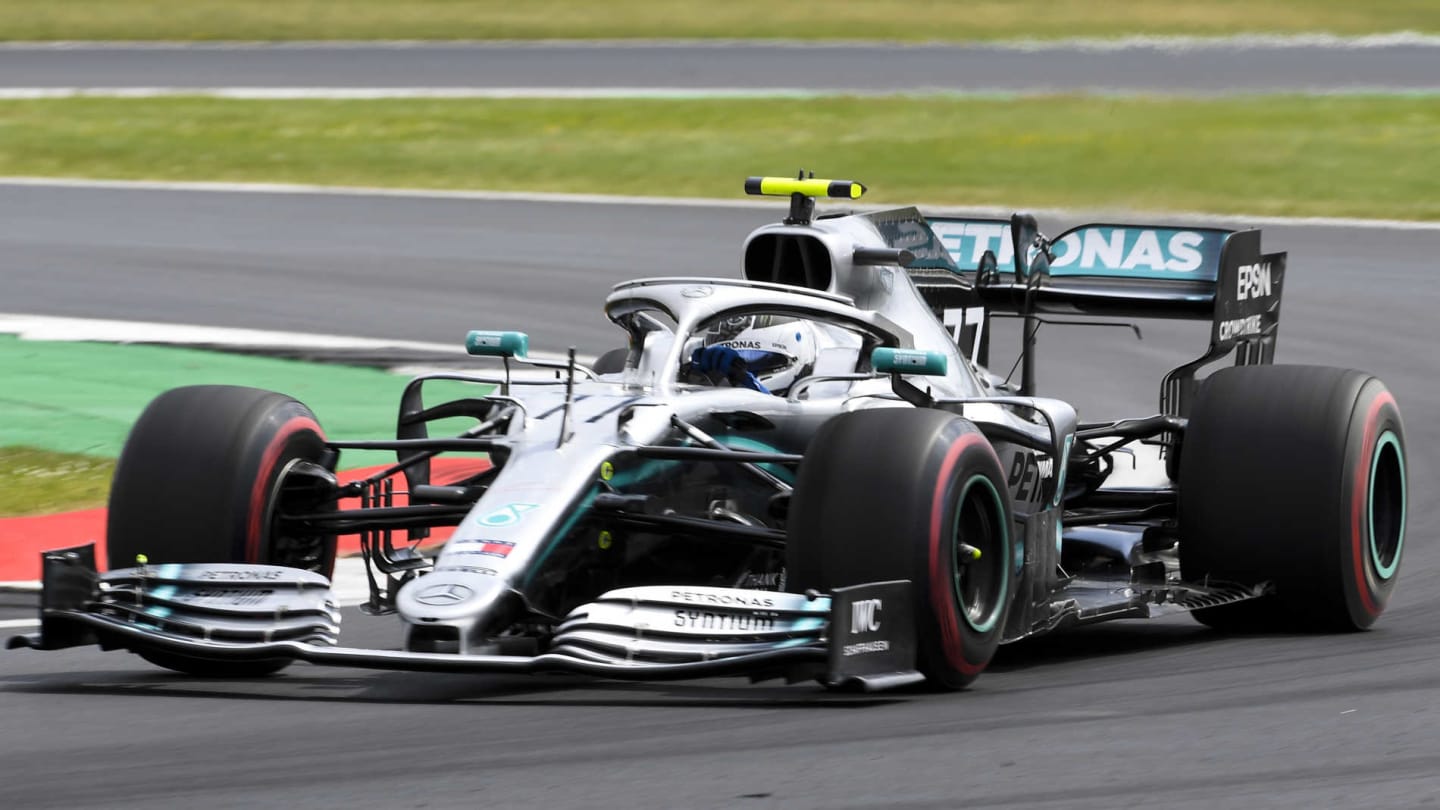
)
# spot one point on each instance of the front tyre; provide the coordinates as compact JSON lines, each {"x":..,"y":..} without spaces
{"x":1294,"y":475}
{"x":899,"y":493}
{"x":202,"y":478}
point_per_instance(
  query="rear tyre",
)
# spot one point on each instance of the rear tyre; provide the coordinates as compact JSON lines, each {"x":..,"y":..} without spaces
{"x":1294,"y":475}
{"x":892,"y":493}
{"x":201,"y":479}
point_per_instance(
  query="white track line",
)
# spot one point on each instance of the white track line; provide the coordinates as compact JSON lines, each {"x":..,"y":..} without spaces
{"x":47,"y":328}
{"x":350,"y":586}
{"x":369,"y":93}
{"x":15,"y":623}
{"x":378,"y":191}
{"x":1314,"y":40}
{"x":1197,"y":217}
{"x":32,"y":327}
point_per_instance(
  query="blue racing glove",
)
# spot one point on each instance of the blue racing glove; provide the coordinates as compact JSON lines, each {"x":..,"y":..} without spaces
{"x":724,"y":363}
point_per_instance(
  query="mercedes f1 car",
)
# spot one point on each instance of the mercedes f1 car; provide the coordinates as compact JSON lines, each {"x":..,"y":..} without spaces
{"x":807,"y":472}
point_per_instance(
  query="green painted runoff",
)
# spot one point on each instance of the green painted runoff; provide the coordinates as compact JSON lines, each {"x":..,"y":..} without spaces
{"x":67,"y":408}
{"x":83,"y":397}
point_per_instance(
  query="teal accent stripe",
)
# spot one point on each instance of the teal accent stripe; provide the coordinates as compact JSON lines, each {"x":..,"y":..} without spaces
{"x":648,"y":469}
{"x":989,"y":623}
{"x":578,"y":512}
{"x":1383,"y":571}
{"x":756,"y":446}
{"x":1064,"y":468}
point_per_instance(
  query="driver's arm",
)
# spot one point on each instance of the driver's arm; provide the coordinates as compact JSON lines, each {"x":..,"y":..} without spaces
{"x":723,"y":362}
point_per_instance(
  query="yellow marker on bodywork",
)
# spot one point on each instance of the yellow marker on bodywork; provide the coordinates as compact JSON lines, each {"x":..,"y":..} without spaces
{"x":607,"y":471}
{"x":605,"y":541}
{"x":811,"y":187}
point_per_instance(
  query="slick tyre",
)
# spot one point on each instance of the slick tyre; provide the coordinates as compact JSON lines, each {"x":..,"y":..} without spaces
{"x":892,"y":493}
{"x":1295,"y":476}
{"x":201,"y":479}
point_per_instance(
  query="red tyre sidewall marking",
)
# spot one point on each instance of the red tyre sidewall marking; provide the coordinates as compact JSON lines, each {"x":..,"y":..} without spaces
{"x":261,"y":487}
{"x":941,"y":586}
{"x":1359,"y":503}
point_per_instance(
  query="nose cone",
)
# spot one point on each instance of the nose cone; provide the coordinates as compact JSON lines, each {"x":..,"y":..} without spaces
{"x":448,"y":597}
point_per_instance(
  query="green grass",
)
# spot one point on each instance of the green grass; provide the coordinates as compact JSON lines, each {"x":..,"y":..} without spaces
{"x":1337,"y":156}
{"x":38,"y":482}
{"x":908,"y":20}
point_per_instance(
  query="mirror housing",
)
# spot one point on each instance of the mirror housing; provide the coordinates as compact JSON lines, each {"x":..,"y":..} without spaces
{"x":497,"y":344}
{"x":909,"y":361}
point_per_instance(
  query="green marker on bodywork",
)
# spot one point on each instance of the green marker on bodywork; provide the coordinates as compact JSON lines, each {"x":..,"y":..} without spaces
{"x":497,"y":344}
{"x":909,"y":361}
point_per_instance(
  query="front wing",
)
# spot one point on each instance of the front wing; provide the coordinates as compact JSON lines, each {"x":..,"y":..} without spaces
{"x":263,"y":613}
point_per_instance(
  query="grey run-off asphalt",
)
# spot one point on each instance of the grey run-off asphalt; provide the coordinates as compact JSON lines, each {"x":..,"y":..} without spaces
{"x":1214,"y":68}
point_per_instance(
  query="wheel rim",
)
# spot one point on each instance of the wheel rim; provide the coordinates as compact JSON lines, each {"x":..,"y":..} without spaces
{"x":980,"y":585}
{"x":308,"y":552}
{"x":1386,"y":505}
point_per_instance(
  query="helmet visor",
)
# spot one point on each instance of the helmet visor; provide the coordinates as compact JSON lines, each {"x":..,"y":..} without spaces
{"x":762,"y":362}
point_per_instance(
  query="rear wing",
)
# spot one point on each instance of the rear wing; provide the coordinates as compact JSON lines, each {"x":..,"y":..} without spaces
{"x":988,"y":266}
{"x":1104,"y":269}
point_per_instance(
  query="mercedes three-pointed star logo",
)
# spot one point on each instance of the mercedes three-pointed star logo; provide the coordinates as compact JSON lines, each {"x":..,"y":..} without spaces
{"x":446,"y":593}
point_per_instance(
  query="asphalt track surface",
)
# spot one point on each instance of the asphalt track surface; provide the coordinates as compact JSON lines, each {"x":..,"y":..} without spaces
{"x":1135,"y":713}
{"x":857,"y":67}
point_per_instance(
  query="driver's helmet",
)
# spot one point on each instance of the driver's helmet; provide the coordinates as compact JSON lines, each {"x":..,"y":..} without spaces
{"x":777,"y":349}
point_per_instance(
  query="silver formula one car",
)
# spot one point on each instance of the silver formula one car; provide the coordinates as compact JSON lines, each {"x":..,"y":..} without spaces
{"x":806,"y":472}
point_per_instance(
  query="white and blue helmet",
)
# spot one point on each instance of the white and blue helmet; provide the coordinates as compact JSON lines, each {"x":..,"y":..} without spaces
{"x":777,"y":349}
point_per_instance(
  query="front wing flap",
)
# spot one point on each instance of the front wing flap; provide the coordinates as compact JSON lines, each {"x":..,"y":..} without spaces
{"x":206,"y":604}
